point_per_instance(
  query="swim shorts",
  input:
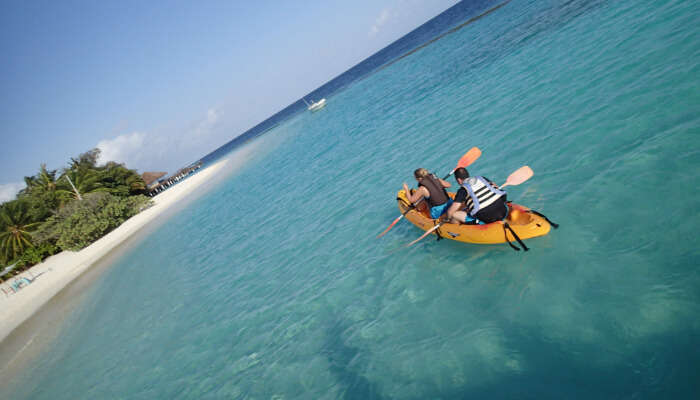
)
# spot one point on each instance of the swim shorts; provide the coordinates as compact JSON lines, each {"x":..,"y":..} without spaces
{"x":437,"y":211}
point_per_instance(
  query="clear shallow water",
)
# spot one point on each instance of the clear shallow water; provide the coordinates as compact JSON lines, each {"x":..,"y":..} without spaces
{"x":273,"y":286}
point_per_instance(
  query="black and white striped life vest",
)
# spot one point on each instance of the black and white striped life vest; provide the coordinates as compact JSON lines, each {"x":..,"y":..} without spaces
{"x":481,"y":194}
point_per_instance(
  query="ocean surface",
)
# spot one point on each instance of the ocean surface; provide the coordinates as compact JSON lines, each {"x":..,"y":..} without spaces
{"x":272,"y":285}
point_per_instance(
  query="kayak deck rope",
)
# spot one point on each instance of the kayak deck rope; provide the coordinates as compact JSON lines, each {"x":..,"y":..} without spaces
{"x":437,"y":230}
{"x":555,"y":226}
{"x":506,"y":226}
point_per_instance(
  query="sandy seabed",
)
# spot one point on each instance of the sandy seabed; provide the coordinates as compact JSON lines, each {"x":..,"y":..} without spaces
{"x":56,"y":272}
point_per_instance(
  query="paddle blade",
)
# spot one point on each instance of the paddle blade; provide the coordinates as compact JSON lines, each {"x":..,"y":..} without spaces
{"x":428,"y":232}
{"x":521,"y":175}
{"x":469,"y":157}
{"x":390,"y":226}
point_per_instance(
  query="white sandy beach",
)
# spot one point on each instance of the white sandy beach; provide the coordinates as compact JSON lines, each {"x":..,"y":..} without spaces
{"x":56,"y":272}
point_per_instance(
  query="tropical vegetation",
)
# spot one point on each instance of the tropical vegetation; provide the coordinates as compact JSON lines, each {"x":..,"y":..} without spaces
{"x":15,"y":238}
{"x":67,"y":209}
{"x":80,"y":223}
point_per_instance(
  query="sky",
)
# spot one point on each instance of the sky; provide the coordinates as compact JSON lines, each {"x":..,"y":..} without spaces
{"x":159,"y":84}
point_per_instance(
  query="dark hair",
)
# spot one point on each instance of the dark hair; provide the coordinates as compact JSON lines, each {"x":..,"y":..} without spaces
{"x":461,"y":173}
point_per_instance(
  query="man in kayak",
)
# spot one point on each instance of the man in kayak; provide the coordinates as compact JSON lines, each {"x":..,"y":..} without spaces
{"x":432,"y":189}
{"x":477,"y":200}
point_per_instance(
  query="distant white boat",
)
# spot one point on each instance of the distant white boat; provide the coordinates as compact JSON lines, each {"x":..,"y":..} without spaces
{"x":315,"y":106}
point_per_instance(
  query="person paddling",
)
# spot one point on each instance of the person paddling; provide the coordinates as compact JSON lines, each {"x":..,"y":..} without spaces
{"x":432,"y":189}
{"x":477,"y":200}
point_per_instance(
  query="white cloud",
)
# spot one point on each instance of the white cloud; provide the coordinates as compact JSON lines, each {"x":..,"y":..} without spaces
{"x":8,"y":191}
{"x":197,"y":135}
{"x":379,"y":22}
{"x":127,"y":149}
{"x":205,"y":126}
{"x":163,"y":149}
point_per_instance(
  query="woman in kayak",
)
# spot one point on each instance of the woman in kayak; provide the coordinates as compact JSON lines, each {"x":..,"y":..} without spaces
{"x":477,"y":198}
{"x":432,"y":189}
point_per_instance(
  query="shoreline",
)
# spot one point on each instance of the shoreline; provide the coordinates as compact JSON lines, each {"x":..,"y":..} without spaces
{"x":52,"y":275}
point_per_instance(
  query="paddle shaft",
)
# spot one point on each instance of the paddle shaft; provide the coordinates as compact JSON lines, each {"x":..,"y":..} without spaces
{"x":428,"y":232}
{"x":411,"y":207}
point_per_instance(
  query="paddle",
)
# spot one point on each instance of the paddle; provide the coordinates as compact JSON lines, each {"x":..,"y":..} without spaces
{"x":516,"y":178}
{"x":428,"y":232}
{"x":469,"y":157}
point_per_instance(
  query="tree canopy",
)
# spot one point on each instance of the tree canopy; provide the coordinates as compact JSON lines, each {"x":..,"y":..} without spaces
{"x":68,"y":209}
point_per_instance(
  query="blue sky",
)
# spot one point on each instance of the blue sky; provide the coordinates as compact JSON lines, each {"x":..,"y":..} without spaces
{"x":158,"y":85}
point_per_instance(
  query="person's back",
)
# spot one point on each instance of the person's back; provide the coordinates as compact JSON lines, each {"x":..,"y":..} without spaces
{"x":432,"y":189}
{"x":481,"y":199}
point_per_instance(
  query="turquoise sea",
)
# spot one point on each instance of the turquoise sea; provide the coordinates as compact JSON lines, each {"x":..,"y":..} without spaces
{"x":272,"y":285}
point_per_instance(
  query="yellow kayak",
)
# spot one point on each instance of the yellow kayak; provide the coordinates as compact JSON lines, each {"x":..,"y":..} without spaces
{"x":526,"y":224}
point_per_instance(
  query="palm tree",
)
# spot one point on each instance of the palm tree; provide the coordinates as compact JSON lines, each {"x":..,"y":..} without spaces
{"x":29,"y":181}
{"x":16,"y":224}
{"x":43,"y":182}
{"x":42,"y":193}
{"x":46,"y":179}
{"x":83,"y":181}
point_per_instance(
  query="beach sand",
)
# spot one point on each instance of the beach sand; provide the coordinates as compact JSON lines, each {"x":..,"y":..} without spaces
{"x":56,"y":272}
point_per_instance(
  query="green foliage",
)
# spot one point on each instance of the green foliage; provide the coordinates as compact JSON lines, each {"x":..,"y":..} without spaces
{"x":87,"y":160}
{"x":85,"y":181}
{"x":36,"y":254}
{"x":113,"y":178}
{"x":47,"y":211}
{"x":41,"y":205}
{"x":80,"y":223}
{"x":121,"y":181}
{"x":15,"y":227}
{"x":42,"y":194}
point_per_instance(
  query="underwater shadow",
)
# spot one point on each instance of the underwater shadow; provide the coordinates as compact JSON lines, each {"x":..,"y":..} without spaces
{"x":664,"y":369}
{"x":339,"y":356}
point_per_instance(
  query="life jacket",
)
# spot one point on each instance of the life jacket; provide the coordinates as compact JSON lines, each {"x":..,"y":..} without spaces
{"x":438,"y":195}
{"x":481,"y":194}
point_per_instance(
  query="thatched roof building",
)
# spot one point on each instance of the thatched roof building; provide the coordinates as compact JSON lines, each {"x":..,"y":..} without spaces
{"x":158,"y":185}
{"x":151,"y":178}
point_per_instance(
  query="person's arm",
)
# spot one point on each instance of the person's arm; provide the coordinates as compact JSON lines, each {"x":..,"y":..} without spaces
{"x":456,"y":212}
{"x":416,"y":195}
{"x":444,"y":183}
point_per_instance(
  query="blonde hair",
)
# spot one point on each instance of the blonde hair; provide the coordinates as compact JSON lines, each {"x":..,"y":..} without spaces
{"x":421,"y":173}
